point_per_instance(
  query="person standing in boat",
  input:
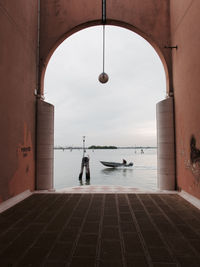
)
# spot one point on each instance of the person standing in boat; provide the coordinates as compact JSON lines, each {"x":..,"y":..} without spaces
{"x":124,"y":161}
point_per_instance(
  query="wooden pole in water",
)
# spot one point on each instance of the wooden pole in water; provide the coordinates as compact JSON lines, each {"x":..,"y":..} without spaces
{"x":81,"y":172}
{"x":85,"y":163}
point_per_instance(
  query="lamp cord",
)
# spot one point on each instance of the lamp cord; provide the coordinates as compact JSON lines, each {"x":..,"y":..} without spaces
{"x":103,"y":47}
{"x":103,"y":22}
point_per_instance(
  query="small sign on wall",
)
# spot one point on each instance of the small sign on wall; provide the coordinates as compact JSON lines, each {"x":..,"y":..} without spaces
{"x":25,"y":151}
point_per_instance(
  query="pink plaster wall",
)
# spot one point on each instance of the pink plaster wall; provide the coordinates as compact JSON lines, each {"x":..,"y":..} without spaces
{"x":59,"y":19}
{"x":18,"y":42}
{"x":185,"y":21}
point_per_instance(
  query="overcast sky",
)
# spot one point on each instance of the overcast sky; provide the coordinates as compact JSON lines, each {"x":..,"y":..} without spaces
{"x":121,"y":112}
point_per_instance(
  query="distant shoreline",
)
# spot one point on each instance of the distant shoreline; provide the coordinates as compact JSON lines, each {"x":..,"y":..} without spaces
{"x":104,"y":147}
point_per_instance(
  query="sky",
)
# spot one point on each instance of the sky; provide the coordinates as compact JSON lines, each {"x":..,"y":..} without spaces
{"x":121,"y":112}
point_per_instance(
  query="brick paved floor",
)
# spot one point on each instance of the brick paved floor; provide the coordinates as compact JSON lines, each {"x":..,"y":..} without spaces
{"x":101,"y":230}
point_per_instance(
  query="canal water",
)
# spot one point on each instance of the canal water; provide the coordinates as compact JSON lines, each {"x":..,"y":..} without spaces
{"x":142,"y":175}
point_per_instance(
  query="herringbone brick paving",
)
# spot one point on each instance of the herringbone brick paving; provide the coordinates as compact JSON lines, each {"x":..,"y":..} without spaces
{"x":101,"y":230}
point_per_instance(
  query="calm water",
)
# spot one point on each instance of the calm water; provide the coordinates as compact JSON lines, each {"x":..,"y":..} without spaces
{"x":142,"y":175}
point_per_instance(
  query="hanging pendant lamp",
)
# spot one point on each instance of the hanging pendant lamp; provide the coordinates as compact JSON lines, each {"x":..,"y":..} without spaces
{"x":103,"y":77}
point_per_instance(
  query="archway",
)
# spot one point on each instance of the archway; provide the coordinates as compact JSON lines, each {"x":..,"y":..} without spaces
{"x":165,"y":58}
{"x":95,"y":79}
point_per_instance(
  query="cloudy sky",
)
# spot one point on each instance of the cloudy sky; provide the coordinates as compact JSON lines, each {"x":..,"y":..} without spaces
{"x":120,"y":112}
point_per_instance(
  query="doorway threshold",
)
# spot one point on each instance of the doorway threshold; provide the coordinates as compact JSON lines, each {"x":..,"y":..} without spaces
{"x":110,"y":189}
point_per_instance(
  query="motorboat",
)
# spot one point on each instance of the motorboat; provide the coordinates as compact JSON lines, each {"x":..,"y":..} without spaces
{"x":116,"y":164}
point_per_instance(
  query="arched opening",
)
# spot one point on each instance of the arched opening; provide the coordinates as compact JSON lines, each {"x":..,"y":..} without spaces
{"x":44,"y":62}
{"x":135,"y":71}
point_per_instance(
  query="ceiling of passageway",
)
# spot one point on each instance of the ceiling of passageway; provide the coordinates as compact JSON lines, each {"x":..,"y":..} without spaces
{"x":121,"y":112}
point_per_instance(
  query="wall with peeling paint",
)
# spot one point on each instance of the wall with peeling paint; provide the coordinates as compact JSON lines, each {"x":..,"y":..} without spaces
{"x":18,"y":47}
{"x":18,"y":55}
{"x":152,"y":19}
{"x":185,"y":21}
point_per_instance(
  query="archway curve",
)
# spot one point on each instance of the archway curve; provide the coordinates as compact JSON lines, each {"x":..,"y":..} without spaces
{"x":83,"y":26}
{"x":132,"y":62}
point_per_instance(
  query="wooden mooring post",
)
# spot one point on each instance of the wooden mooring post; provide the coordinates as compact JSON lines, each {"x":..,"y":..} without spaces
{"x":85,"y":164}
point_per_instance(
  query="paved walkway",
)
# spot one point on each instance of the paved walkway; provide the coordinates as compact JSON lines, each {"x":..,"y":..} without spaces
{"x":101,"y":230}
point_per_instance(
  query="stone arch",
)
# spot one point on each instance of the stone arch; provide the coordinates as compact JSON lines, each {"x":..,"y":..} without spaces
{"x":150,"y":19}
{"x":83,"y":26}
{"x":59,"y":19}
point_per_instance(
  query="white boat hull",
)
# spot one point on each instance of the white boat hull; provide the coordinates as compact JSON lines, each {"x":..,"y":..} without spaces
{"x":115,"y":164}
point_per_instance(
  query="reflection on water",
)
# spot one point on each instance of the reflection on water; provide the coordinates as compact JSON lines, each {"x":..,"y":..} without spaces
{"x":142,"y":175}
{"x":114,"y":171}
{"x":86,"y":182}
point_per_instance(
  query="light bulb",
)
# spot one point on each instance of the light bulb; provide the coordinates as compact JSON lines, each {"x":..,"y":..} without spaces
{"x":103,"y":77}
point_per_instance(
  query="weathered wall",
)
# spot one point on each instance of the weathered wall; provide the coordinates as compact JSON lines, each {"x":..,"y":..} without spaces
{"x":61,"y":18}
{"x":18,"y":45}
{"x":185,"y":21}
